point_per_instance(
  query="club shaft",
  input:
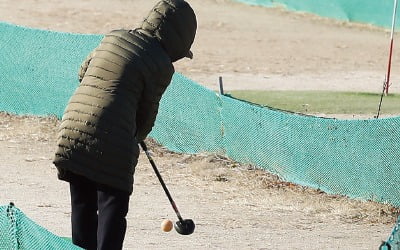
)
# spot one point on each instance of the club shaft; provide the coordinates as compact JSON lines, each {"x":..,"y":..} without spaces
{"x":144,"y":147}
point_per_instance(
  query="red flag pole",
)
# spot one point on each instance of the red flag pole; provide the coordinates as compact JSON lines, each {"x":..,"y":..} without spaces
{"x":387,"y":81}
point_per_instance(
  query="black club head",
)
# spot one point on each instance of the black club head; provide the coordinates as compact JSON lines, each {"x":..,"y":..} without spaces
{"x":184,"y":227}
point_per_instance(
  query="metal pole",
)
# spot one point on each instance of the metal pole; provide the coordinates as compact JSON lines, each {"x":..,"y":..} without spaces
{"x":221,"y":86}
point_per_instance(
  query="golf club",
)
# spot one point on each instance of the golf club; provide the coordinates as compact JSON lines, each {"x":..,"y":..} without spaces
{"x":184,"y":227}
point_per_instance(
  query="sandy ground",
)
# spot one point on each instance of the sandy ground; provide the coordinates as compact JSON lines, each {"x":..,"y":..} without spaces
{"x":250,"y":47}
{"x":234,"y":206}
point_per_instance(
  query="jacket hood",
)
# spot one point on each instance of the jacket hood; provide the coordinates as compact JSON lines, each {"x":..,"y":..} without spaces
{"x":173,"y":23}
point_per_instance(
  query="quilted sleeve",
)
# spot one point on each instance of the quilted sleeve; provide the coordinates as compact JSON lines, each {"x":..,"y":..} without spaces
{"x":149,"y":103}
{"x":85,"y":65}
{"x":146,"y":116}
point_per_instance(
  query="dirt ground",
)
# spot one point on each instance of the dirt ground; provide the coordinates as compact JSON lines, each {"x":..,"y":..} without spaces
{"x":234,"y":206}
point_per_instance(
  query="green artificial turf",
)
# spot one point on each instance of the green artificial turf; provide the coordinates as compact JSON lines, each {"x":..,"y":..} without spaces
{"x":313,"y":102}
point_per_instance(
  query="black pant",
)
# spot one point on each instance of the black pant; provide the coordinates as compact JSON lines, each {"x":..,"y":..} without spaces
{"x":98,"y":214}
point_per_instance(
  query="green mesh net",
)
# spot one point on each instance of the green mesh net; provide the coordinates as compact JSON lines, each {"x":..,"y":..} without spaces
{"x":17,"y":231}
{"x":39,"y":69}
{"x":374,"y":12}
{"x":357,"y":158}
{"x":393,"y":241}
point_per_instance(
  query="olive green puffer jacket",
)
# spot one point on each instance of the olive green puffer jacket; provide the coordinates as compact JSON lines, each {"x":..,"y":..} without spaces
{"x":116,"y":103}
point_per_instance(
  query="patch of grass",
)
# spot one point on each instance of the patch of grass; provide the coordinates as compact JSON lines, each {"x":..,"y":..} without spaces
{"x":326,"y":102}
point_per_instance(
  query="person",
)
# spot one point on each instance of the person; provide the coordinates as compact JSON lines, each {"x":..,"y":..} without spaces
{"x":112,"y":110}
